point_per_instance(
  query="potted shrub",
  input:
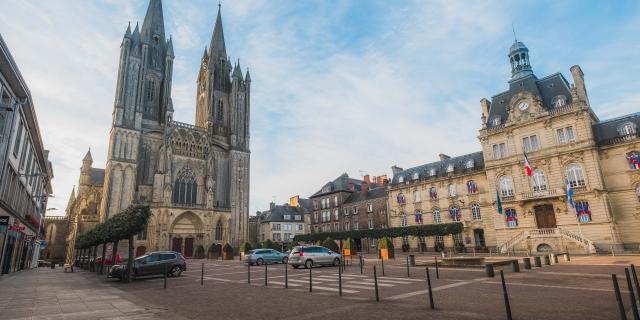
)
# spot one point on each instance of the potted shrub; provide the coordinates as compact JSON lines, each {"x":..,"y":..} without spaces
{"x":330,"y":244}
{"x":346,"y":247}
{"x":214,"y":251}
{"x":199,"y":252}
{"x":227,"y":252}
{"x":386,"y":249}
{"x":244,"y":249}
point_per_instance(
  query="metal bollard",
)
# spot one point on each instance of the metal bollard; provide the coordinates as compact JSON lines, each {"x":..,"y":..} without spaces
{"x":554,"y":259}
{"x":547,"y":261}
{"x":632,"y":296}
{"x":165,"y":275}
{"x":375,"y":282}
{"x":361,"y":264}
{"x":537,"y":262}
{"x":265,"y":275}
{"x":506,"y":296}
{"x":248,"y":272}
{"x":527,"y":263}
{"x":515,"y":265}
{"x":408,"y":272}
{"x":340,"y":281}
{"x":437,"y":271}
{"x":635,"y":279}
{"x":202,"y":276}
{"x":310,"y":281}
{"x":382,"y":263}
{"x":616,"y":288}
{"x":488,"y":270}
{"x":286,"y":275}
{"x":429,"y":288}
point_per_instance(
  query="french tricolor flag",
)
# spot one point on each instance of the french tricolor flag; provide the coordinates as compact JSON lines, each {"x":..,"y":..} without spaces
{"x":527,"y":165}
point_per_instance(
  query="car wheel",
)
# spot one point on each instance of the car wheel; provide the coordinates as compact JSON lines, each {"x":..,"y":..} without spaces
{"x":308,"y":264}
{"x":176,"y":271}
{"x":285,"y":260}
{"x":295,"y":266}
{"x":336,"y":262}
{"x":259,"y":262}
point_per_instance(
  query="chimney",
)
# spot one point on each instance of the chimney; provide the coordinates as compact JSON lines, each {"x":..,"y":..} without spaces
{"x":272,"y":205}
{"x":443,"y":157}
{"x":367,"y":179}
{"x":485,"y":109}
{"x":578,"y":81}
{"x":396,"y":170}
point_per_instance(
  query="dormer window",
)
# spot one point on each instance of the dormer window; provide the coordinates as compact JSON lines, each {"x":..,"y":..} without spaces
{"x":559,"y":101}
{"x":415,"y":176}
{"x":326,"y":189}
{"x":470,"y":164}
{"x":401,"y":179}
{"x":432,"y":172}
{"x":627,"y":129}
{"x":496,"y":121}
{"x":450,"y":168}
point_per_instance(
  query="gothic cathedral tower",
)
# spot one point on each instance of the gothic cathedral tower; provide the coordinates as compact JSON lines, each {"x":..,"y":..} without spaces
{"x":143,"y":98}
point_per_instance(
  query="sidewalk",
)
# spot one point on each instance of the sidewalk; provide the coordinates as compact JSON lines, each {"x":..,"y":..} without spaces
{"x":44,"y":293}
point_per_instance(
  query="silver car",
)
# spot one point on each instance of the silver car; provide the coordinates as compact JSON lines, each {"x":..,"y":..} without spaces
{"x":309,"y":256}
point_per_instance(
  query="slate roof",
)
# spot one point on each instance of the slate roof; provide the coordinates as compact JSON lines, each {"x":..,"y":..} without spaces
{"x":546,"y":88}
{"x":459,"y":166}
{"x":609,"y":129}
{"x":97,"y":177}
{"x":277,"y":214}
{"x":305,"y":204}
{"x":341,"y":183}
{"x":373,"y":193}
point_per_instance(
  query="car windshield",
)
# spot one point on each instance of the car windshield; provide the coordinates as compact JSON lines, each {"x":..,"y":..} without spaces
{"x":142,"y":257}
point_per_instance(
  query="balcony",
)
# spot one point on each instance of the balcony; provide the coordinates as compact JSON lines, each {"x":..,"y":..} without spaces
{"x":542,"y":194}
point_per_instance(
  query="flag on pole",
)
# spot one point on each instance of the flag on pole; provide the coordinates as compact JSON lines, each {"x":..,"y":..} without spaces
{"x":634,"y":160}
{"x":527,"y":165}
{"x":570,"y":194}
{"x":498,"y":202}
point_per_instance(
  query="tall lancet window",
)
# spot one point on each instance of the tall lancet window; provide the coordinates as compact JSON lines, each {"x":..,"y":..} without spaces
{"x":219,"y":111}
{"x":219,"y":231}
{"x":185,"y":187}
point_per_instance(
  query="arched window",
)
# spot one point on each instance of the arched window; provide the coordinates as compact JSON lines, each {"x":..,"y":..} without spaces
{"x":219,"y":111}
{"x":452,"y":190}
{"x":403,"y":219}
{"x":559,"y":101}
{"x":418,"y":217}
{"x":496,"y":121}
{"x":475,"y":212}
{"x":416,"y":196}
{"x":538,"y":180}
{"x":400,"y":179}
{"x":472,"y":187}
{"x":454,"y":214}
{"x":433,"y":193}
{"x":185,"y":188}
{"x":219,"y":231}
{"x":627,"y":129}
{"x":432,"y":172}
{"x":634,"y":160}
{"x":574,"y":175}
{"x":436,"y":216}
{"x":506,"y":186}
{"x":470,"y":163}
{"x":151,"y":90}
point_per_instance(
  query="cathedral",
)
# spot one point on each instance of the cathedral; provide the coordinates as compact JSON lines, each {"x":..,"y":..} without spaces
{"x":195,"y":177}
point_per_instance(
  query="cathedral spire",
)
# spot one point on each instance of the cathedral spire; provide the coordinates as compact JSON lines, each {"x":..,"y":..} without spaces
{"x":217,"y":48}
{"x":153,"y":24}
{"x":72,"y":197}
{"x":88,"y":158}
{"x":170,"y":48}
{"x":127,"y":34}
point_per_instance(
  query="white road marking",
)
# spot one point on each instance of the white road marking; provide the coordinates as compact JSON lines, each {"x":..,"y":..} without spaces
{"x":370,"y":283}
{"x":420,"y":292}
{"x":282,"y":284}
{"x":403,"y":279}
{"x":555,"y":287}
{"x":303,"y":281}
{"x":357,"y":287}
{"x":333,"y":289}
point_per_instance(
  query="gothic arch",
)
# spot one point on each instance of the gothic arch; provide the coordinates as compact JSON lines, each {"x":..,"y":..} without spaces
{"x":185,"y":219}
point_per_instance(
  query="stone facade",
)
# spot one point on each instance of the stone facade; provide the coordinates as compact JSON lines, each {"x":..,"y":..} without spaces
{"x":366,"y":209}
{"x":282,"y":222}
{"x":194,"y":177}
{"x":547,"y":124}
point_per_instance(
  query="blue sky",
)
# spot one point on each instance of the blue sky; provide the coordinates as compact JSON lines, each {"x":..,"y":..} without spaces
{"x":337,"y":86}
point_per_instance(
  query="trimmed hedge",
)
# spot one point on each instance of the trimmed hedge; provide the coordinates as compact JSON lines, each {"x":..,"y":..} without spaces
{"x":245,"y":247}
{"x":329,"y":243}
{"x":416,"y":231}
{"x":121,"y":226}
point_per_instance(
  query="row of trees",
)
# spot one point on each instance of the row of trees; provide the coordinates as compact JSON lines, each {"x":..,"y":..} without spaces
{"x":416,"y":231}
{"x":123,"y":225}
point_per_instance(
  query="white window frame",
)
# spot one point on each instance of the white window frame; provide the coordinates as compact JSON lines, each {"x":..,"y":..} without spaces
{"x":531,"y":143}
{"x":452,"y":189}
{"x":506,"y":186}
{"x":436,"y":216}
{"x":403,"y":220}
{"x":475,"y":212}
{"x":499,"y":150}
{"x":575,"y":175}
{"x":416,"y":196}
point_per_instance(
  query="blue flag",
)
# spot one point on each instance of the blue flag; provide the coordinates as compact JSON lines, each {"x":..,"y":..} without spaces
{"x":498,"y":202}
{"x":570,"y":195}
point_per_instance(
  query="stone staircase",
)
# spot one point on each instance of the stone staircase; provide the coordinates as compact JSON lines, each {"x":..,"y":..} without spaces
{"x":583,"y":242}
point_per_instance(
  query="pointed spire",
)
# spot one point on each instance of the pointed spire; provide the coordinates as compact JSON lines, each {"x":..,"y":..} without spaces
{"x":205,"y":54}
{"x":127,"y":34}
{"x":136,"y":34}
{"x":217,"y":47}
{"x":170,"y":48}
{"x":248,"y":76}
{"x":87,"y":157}
{"x":237,"y":71}
{"x":153,"y":23}
{"x":72,"y":197}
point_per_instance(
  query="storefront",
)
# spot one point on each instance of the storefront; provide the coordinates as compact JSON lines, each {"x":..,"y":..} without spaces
{"x":19,"y":246}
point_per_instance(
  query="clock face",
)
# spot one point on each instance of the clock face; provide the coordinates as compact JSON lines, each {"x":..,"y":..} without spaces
{"x":523,"y":105}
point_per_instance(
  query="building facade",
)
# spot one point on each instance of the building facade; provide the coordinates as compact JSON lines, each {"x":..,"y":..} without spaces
{"x":583,"y":190}
{"x":449,"y":190}
{"x":194,"y":177}
{"x":366,"y":209}
{"x":25,"y":171}
{"x":327,"y":203}
{"x":283,"y":222}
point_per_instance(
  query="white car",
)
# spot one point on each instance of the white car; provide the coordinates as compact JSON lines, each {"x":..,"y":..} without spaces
{"x":309,"y":256}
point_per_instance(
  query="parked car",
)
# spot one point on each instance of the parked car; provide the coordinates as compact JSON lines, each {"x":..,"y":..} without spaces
{"x":108,"y":259}
{"x":261,"y":256}
{"x":153,"y":263}
{"x":309,"y":256}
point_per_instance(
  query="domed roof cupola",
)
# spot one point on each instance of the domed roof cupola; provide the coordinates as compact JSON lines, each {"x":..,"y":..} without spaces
{"x":519,"y":58}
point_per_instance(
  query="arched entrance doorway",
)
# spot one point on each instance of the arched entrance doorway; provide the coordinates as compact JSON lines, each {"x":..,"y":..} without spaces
{"x":184,"y":230}
{"x":140,"y":251}
{"x":545,"y":216}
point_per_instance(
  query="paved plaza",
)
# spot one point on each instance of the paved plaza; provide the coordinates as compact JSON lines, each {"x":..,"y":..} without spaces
{"x":580,"y":289}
